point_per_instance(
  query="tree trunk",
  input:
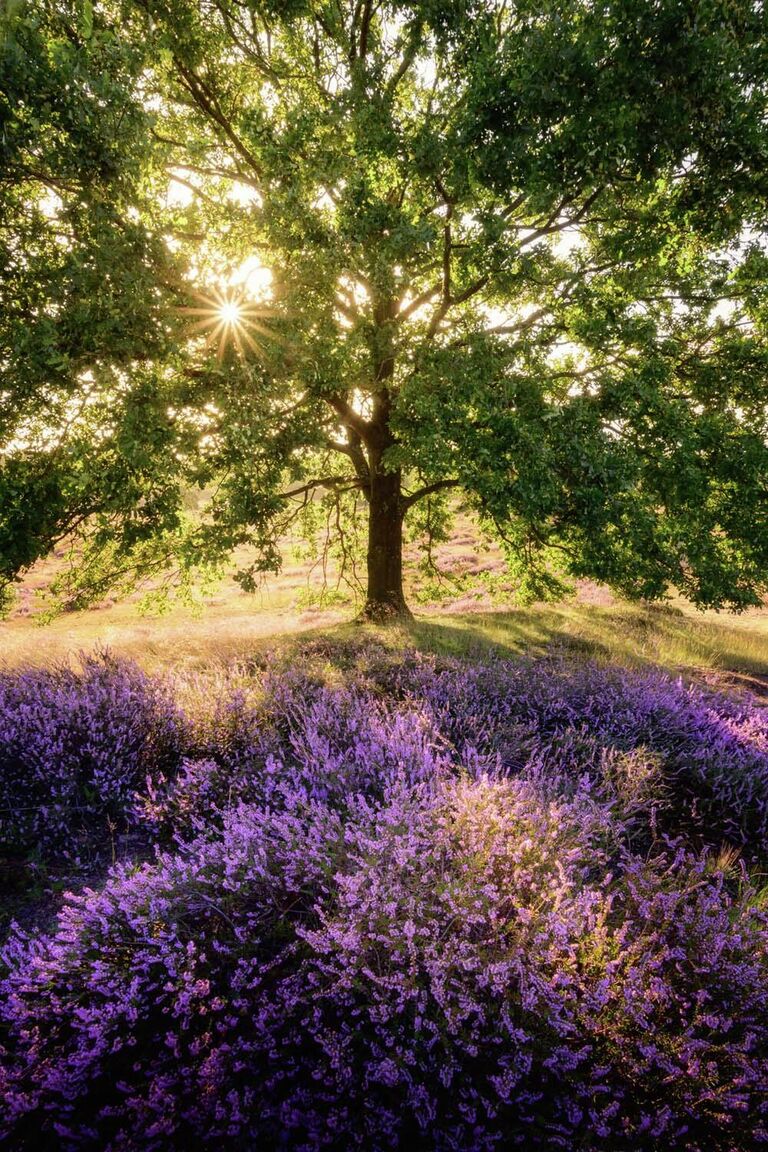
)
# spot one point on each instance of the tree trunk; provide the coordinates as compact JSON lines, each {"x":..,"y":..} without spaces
{"x":385,"y":602}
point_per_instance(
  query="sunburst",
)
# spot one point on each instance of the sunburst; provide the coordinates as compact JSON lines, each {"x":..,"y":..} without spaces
{"x":230,"y":319}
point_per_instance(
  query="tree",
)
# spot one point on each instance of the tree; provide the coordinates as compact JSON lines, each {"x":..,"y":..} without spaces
{"x":82,"y":328}
{"x":516,"y":250}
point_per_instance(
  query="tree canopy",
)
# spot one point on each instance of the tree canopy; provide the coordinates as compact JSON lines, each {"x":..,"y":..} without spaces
{"x":378,"y":252}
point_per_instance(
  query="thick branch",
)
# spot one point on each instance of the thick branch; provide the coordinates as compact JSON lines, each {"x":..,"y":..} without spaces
{"x":365,"y":27}
{"x":334,"y":483}
{"x":352,"y":449}
{"x":348,"y":415}
{"x":428,"y":490}
{"x":353,"y":30}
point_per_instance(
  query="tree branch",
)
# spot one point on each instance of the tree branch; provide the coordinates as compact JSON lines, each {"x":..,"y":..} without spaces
{"x":207,"y":102}
{"x":352,"y":449}
{"x":428,"y":490}
{"x":554,"y":223}
{"x":46,"y":178}
{"x":348,"y":415}
{"x":194,"y":189}
{"x":330,"y":482}
{"x":365,"y":27}
{"x":408,"y":57}
{"x":418,"y":302}
{"x":235,"y":174}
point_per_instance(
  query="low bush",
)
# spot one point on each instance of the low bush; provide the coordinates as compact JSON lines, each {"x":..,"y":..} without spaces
{"x":412,"y":903}
{"x":74,"y":748}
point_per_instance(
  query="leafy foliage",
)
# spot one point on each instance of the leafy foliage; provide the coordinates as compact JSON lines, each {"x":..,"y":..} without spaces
{"x":516,"y":250}
{"x":83,"y":279}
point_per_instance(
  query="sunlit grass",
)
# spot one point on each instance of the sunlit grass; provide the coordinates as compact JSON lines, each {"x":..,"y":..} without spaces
{"x":233,"y":625}
{"x":238,"y":627}
{"x":622,"y":633}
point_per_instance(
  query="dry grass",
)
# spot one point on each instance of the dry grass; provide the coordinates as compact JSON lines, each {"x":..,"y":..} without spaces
{"x":232,"y":624}
{"x":181,"y":639}
{"x":676,"y":636}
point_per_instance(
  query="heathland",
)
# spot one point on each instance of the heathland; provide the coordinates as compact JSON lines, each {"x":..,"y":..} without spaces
{"x":278,"y":881}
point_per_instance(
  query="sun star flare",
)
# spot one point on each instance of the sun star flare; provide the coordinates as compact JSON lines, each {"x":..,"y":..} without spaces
{"x":230,"y":320}
{"x":231,"y":313}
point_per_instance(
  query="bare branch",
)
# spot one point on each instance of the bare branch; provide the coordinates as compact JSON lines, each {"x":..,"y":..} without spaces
{"x":350,"y":313}
{"x":252,"y":52}
{"x":513,"y":207}
{"x":472,"y":290}
{"x":555,"y":222}
{"x":522,"y":325}
{"x":24,"y":173}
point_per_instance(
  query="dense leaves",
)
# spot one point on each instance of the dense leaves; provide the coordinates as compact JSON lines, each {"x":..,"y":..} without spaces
{"x":83,"y":280}
{"x":514,"y":249}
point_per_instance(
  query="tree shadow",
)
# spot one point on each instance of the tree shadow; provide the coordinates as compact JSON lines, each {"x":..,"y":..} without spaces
{"x":634,"y":635}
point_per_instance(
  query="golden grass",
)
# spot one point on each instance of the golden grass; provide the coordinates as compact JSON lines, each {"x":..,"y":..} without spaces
{"x":233,"y":625}
{"x":676,"y":638}
{"x":181,"y":639}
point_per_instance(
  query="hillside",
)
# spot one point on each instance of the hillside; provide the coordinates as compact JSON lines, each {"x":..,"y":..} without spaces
{"x":470,"y":601}
{"x":355,"y":893}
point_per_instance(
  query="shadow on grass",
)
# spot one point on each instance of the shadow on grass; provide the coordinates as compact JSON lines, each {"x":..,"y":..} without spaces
{"x":634,"y":635}
{"x":627,"y":634}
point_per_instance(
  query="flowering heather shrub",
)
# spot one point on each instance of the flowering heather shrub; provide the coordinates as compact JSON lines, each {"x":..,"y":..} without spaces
{"x":670,"y":757}
{"x":332,"y":743}
{"x":451,"y":967}
{"x":696,"y":759}
{"x":75,"y":746}
{"x":707,"y":753}
{"x":412,"y":903}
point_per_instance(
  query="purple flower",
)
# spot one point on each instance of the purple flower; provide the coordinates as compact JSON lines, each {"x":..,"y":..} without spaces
{"x":407,"y":903}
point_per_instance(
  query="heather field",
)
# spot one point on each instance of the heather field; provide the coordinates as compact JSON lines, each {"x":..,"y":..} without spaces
{"x":359,"y":892}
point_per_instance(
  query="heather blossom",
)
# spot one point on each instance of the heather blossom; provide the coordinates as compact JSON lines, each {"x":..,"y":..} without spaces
{"x":74,"y":747}
{"x":407,"y":902}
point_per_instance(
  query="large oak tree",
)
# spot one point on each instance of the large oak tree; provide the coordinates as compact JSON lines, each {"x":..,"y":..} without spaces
{"x":516,"y":249}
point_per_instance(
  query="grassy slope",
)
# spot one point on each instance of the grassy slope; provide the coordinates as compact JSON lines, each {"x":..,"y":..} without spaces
{"x":731,"y":650}
{"x":231,"y":623}
{"x":676,"y":638}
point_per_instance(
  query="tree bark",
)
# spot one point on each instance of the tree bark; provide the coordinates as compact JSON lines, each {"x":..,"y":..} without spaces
{"x":385,"y":602}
